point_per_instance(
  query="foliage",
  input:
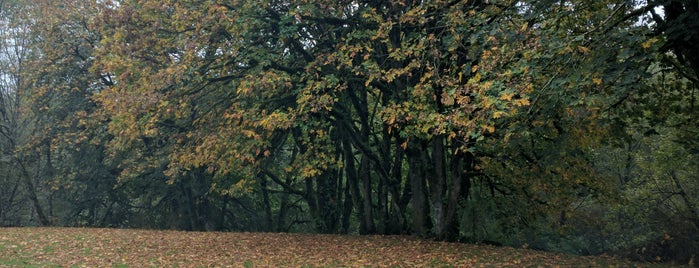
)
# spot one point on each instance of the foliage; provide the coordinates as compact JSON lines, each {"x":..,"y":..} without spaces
{"x":517,"y":122}
{"x":15,"y":125}
{"x":26,"y":247}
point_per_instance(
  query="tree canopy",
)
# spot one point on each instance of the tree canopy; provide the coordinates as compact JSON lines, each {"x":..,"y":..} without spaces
{"x":520,"y":122}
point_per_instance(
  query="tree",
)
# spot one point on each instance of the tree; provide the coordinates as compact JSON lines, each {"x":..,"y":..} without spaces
{"x":67,"y":130}
{"x":319,"y":87}
{"x":475,"y":120}
{"x":15,"y":126}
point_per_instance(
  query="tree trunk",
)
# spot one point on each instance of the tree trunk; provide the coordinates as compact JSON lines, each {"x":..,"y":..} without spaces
{"x":327,"y":202}
{"x":396,"y":220}
{"x":418,"y":202}
{"x":269,"y":221}
{"x":312,"y":201}
{"x":365,"y":175}
{"x":382,"y":196}
{"x":31,"y":191}
{"x":437,"y":186}
{"x":283,"y":213}
{"x":458,"y":191}
{"x":353,"y":184}
{"x":346,"y":208}
{"x":693,"y":210}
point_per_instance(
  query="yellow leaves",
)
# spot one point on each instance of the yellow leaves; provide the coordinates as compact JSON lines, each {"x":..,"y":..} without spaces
{"x":309,"y":171}
{"x":522,"y":102}
{"x":649,"y":43}
{"x":276,"y":120}
{"x":476,"y":78}
{"x":583,"y":49}
{"x":245,"y":87}
{"x":597,"y":81}
{"x":241,"y":187}
{"x":507,"y":96}
{"x":250,"y":134}
{"x":487,"y":84}
{"x":524,"y":27}
{"x":498,"y":114}
{"x":368,"y":82}
{"x":415,"y":14}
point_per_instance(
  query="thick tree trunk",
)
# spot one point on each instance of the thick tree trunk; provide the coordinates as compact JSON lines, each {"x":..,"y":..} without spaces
{"x":190,"y":207}
{"x":458,"y":190}
{"x":418,"y":202}
{"x":327,"y":203}
{"x":396,"y":220}
{"x":384,"y":207}
{"x":353,"y":184}
{"x":283,"y":213}
{"x":312,"y":201}
{"x":365,"y":175}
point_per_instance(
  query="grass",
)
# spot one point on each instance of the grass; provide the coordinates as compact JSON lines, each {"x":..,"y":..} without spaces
{"x":84,"y":247}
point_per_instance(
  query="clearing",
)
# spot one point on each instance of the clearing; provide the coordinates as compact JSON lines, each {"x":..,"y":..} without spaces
{"x":90,"y":247}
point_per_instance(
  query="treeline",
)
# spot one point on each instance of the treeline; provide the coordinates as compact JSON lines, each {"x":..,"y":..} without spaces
{"x":562,"y":125}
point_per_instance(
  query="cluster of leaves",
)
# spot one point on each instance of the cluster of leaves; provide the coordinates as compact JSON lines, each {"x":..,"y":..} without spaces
{"x":256,"y":92}
{"x":459,"y":120}
{"x":138,"y":248}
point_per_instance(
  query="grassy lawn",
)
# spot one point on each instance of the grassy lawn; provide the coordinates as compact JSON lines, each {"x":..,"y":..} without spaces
{"x":81,"y":247}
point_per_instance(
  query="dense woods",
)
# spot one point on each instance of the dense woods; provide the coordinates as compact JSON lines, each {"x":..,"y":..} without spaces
{"x":560,"y":125}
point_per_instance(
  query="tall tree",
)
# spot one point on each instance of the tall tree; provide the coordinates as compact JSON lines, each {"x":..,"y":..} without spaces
{"x":67,"y":131}
{"x":320,"y":78}
{"x":16,"y":126}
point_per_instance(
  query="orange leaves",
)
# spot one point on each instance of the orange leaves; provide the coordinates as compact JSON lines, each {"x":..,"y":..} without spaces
{"x":147,"y":248}
{"x":649,"y":43}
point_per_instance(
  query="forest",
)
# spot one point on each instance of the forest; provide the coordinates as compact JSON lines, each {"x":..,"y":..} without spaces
{"x":567,"y":125}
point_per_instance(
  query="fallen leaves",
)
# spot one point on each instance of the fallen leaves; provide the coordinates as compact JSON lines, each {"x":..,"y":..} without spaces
{"x":88,"y":247}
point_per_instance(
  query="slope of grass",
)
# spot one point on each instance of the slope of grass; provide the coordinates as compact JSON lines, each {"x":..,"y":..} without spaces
{"x":85,"y":247}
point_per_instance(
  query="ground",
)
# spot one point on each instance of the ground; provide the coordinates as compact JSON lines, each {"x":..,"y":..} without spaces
{"x":89,"y":247}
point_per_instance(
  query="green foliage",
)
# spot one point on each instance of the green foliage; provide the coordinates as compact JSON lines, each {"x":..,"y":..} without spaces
{"x":513,"y":121}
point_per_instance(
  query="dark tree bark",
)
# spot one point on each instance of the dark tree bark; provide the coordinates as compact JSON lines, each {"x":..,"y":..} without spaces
{"x":269,"y":221}
{"x":419,"y":201}
{"x":458,"y":190}
{"x":368,"y":219}
{"x":437,"y":185}
{"x":353,"y":184}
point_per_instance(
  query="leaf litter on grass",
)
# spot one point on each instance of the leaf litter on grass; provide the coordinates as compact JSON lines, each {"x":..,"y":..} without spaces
{"x":90,"y":247}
